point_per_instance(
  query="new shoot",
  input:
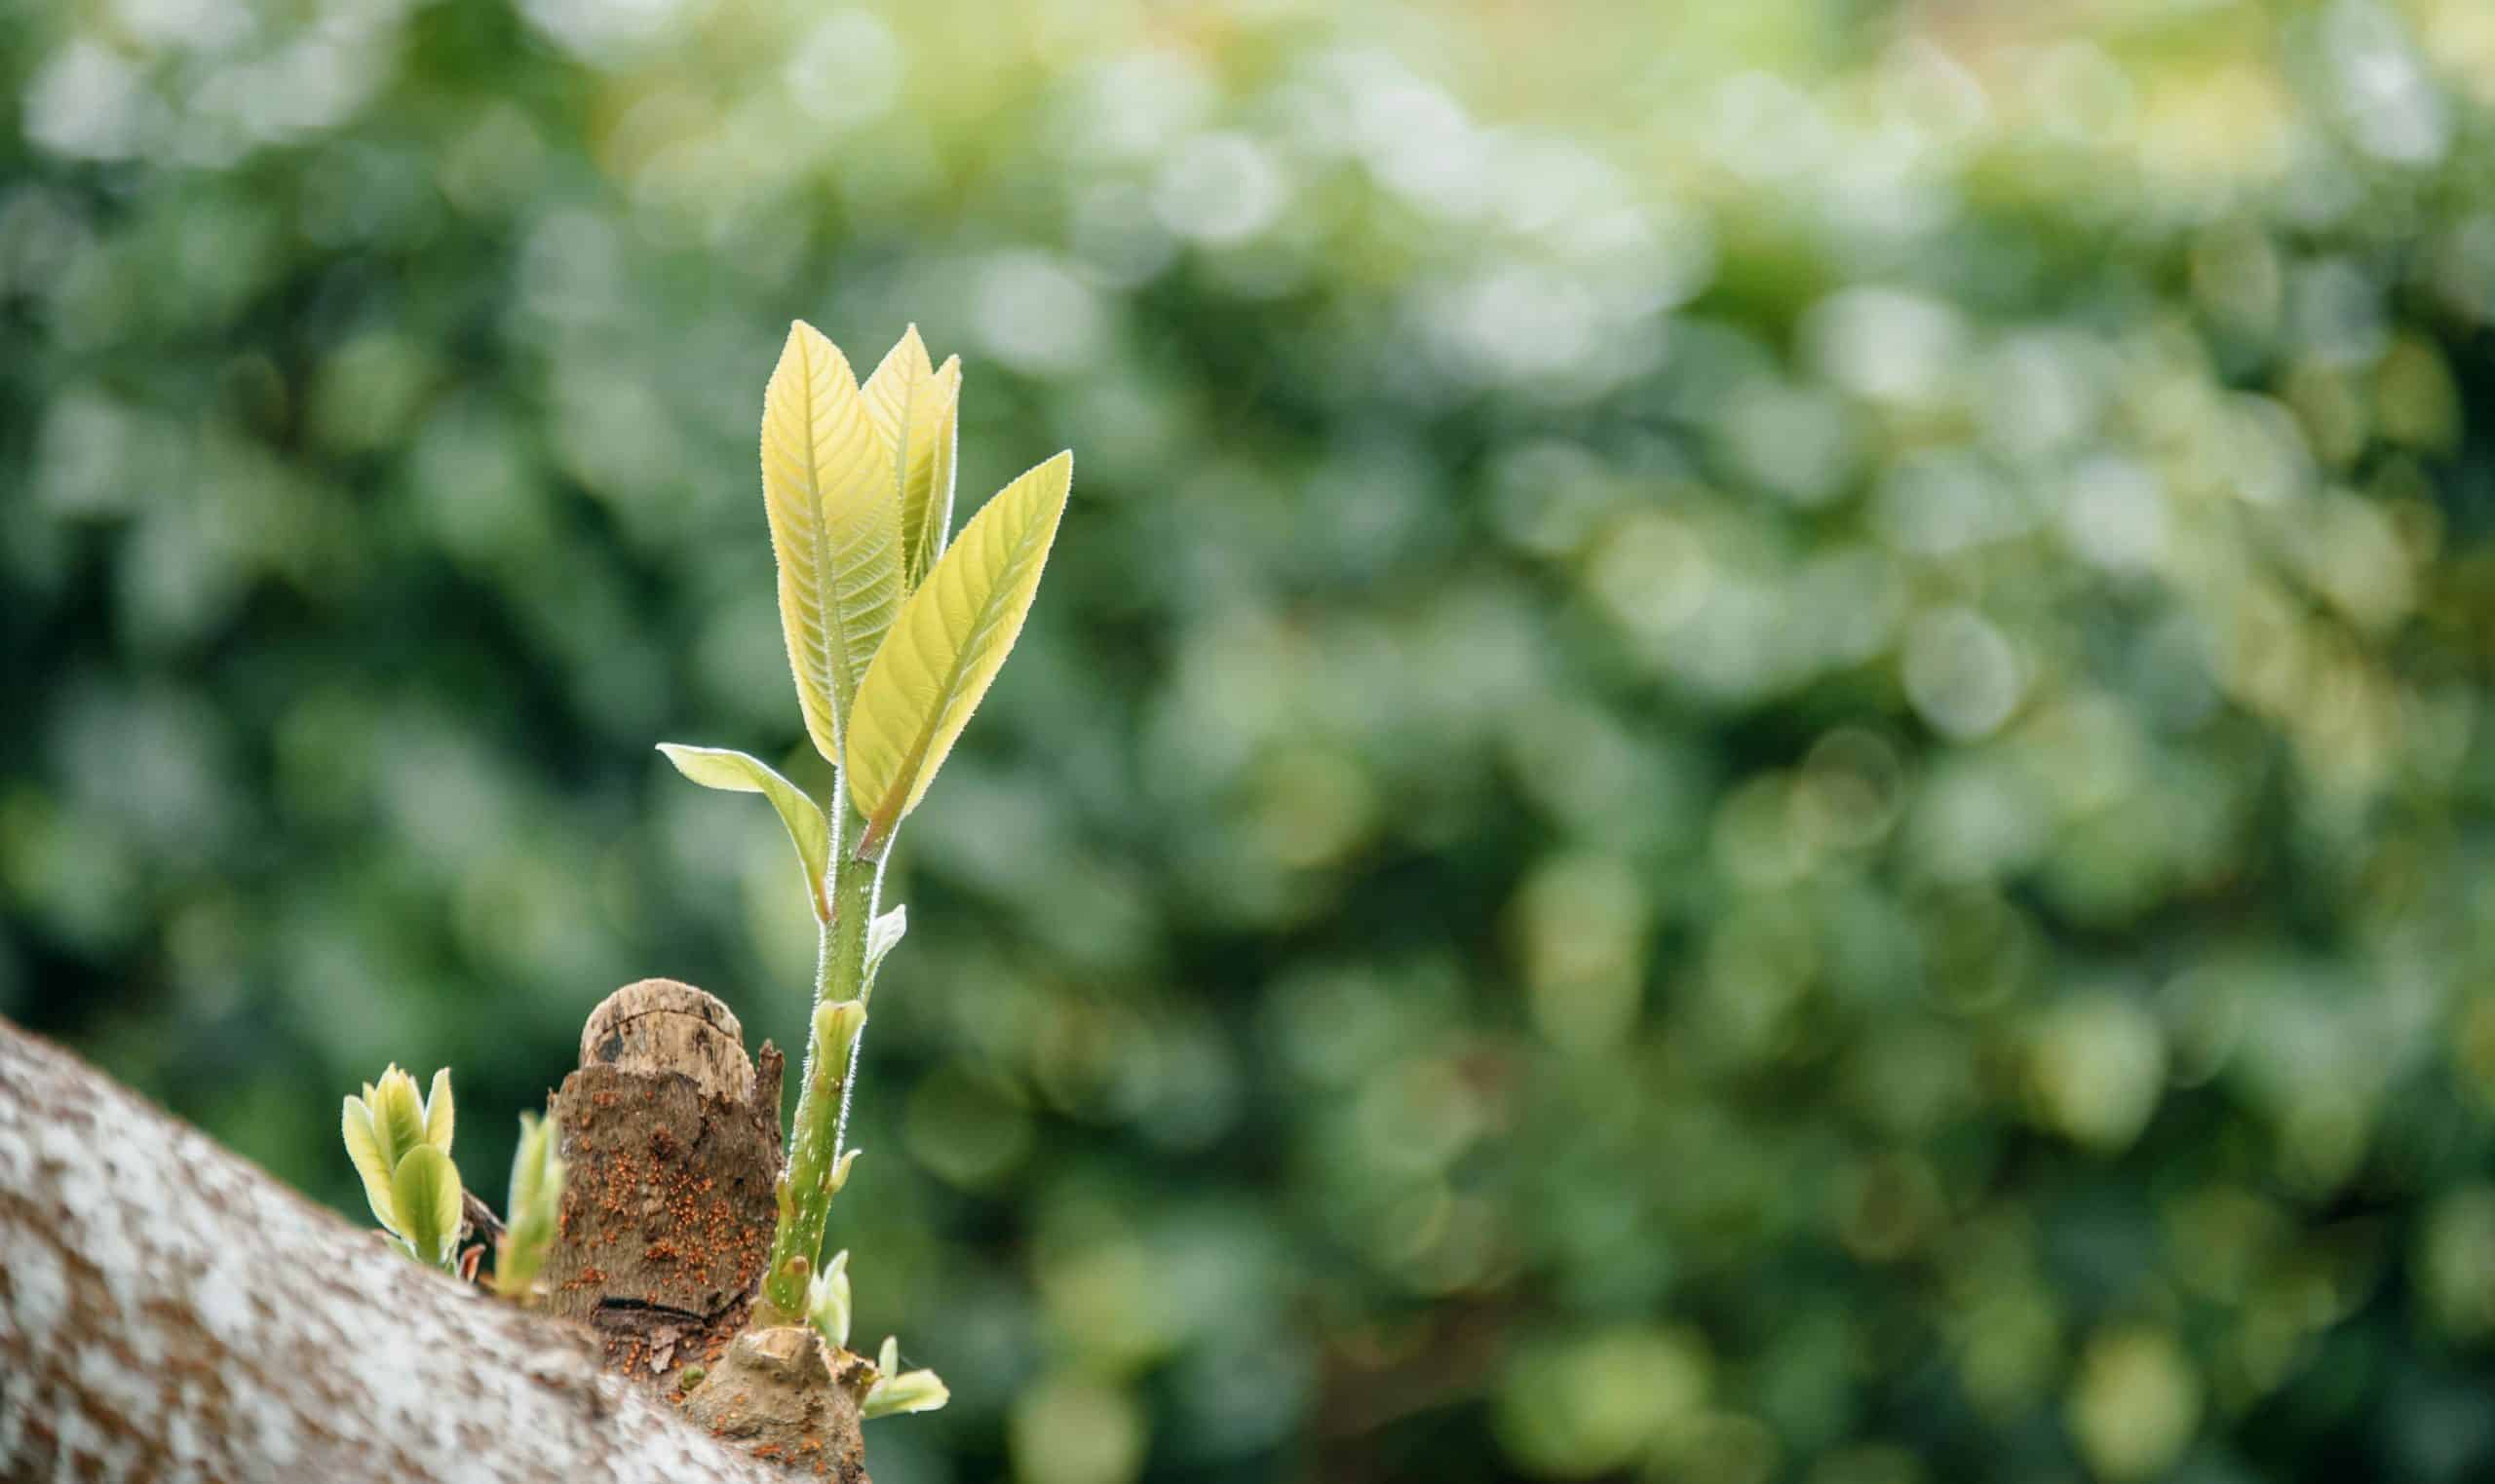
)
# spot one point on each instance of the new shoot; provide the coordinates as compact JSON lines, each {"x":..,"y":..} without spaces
{"x":894,"y":634}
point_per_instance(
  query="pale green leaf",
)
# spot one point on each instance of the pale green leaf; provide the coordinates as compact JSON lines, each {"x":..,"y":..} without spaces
{"x":909,"y":1392}
{"x":536,"y":1170}
{"x":915,"y":406}
{"x":535,"y":1209}
{"x":424,"y":1193}
{"x":738,"y":773}
{"x":882,"y":935}
{"x":951,"y":637}
{"x":363,"y":1147}
{"x":398,"y":1115}
{"x":438,"y":1112}
{"x":835,"y":527}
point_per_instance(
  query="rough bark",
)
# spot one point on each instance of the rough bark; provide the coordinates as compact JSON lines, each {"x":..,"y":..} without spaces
{"x":673,"y":1145}
{"x":169,"y":1311}
{"x":775,"y":1392}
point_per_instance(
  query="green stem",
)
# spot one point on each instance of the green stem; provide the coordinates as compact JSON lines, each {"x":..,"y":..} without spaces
{"x":823,"y":1092}
{"x":866,"y":997}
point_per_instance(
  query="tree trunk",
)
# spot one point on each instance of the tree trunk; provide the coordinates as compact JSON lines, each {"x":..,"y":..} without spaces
{"x":169,"y":1311}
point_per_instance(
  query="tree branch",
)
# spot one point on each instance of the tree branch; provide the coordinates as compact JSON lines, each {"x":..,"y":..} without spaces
{"x":167,"y":1310}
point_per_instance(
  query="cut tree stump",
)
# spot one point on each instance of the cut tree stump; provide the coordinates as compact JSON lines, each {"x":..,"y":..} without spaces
{"x":673,"y":1139}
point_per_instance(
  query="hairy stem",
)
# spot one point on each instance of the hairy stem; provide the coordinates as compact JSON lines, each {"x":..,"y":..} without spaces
{"x":822,"y":1093}
{"x":866,"y":994}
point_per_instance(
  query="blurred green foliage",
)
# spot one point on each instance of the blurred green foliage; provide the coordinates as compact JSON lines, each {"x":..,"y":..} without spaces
{"x":1758,"y":750}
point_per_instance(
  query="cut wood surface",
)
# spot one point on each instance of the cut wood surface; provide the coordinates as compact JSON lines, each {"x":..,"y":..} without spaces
{"x":169,"y":1311}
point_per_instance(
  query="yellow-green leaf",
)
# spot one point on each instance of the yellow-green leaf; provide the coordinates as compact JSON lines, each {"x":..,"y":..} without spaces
{"x":438,"y":1114}
{"x":915,"y":407}
{"x":398,"y":1115}
{"x":835,"y":527}
{"x":952,"y":636}
{"x":909,"y":1392}
{"x":935,"y":522}
{"x":738,"y":773}
{"x":424,"y":1193}
{"x":363,"y":1147}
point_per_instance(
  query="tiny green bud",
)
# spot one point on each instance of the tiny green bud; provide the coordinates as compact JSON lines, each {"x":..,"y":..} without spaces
{"x":828,"y":1302}
{"x":839,"y":1175}
{"x":882,"y":935}
{"x":537,"y":1175}
{"x":838,"y":1024}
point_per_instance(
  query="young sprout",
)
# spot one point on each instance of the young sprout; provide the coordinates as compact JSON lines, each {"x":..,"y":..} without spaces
{"x":537,"y":1174}
{"x":401,"y":1146}
{"x":828,"y":1302}
{"x":894,"y":636}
